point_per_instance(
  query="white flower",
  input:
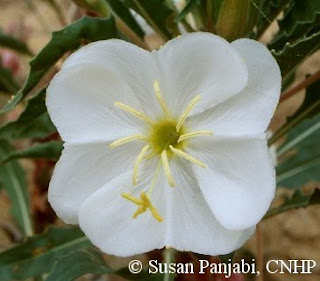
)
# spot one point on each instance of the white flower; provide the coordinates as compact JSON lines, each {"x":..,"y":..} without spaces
{"x":165,"y":148}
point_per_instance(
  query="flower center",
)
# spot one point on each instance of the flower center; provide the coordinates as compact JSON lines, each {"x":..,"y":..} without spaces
{"x":163,"y":134}
{"x":167,"y":137}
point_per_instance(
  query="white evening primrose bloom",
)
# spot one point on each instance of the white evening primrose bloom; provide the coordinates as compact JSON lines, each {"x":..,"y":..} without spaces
{"x":165,"y":148}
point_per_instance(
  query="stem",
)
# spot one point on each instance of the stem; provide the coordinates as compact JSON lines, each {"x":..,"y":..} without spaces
{"x":259,"y":246}
{"x":303,"y":84}
{"x":169,"y":255}
{"x":273,"y":16}
{"x":291,"y":124}
{"x":210,"y":26}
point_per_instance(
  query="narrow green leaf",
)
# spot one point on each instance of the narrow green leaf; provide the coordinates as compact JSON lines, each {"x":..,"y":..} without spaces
{"x":121,"y":11}
{"x":298,"y":200}
{"x":156,"y":13}
{"x":48,"y":150}
{"x":34,"y":122}
{"x":309,"y":108}
{"x":293,"y":54}
{"x":63,"y":41}
{"x":190,"y":5}
{"x":12,"y":43}
{"x":12,"y":180}
{"x":302,"y":164}
{"x":37,"y":255}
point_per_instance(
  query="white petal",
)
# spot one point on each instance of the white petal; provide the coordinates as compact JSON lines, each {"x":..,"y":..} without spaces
{"x":106,"y":218}
{"x":83,"y":169}
{"x":200,"y":63}
{"x":80,"y":103}
{"x":136,"y":67}
{"x":193,"y":226}
{"x":239,"y":181}
{"x":249,"y":112}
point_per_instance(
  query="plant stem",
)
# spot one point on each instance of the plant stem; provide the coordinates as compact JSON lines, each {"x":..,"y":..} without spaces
{"x":169,"y":256}
{"x":303,"y":84}
{"x":259,"y":247}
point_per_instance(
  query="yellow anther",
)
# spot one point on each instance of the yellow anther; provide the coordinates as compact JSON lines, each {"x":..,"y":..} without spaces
{"x":126,"y":140}
{"x":164,"y":107}
{"x":144,"y":203}
{"x":134,"y":112}
{"x":137,"y":163}
{"x":187,"y":111}
{"x":194,"y":134}
{"x":186,"y":156}
{"x":166,"y":168}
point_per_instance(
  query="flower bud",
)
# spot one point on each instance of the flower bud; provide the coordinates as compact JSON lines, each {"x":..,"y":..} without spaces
{"x":232,"y":21}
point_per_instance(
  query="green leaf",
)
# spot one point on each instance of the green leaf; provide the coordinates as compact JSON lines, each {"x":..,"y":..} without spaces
{"x":122,"y":12}
{"x":63,"y":41}
{"x":77,"y":264}
{"x":297,"y":23}
{"x":190,"y":5}
{"x":34,"y":122}
{"x":298,"y":200}
{"x":309,"y":108}
{"x":302,"y":164}
{"x":268,"y":12}
{"x":12,"y":180}
{"x":48,"y":150}
{"x":156,"y":13}
{"x":12,"y":43}
{"x":293,"y":54}
{"x":37,"y":255}
{"x":7,"y":82}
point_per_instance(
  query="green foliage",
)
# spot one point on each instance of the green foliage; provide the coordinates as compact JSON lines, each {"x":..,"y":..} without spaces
{"x":63,"y":41}
{"x":7,"y":81}
{"x":34,"y":122}
{"x":302,"y":164}
{"x":37,"y":254}
{"x":121,"y":11}
{"x":12,"y":43}
{"x":297,"y":200}
{"x":309,"y":107}
{"x":48,"y":150}
{"x":76,"y":264}
{"x":190,"y":5}
{"x":298,"y":22}
{"x":293,"y":54}
{"x":12,"y":180}
{"x":157,"y":14}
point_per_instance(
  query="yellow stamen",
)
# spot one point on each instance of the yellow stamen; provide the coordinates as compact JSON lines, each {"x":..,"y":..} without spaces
{"x":126,"y":140}
{"x":187,"y":111}
{"x":156,"y":88}
{"x":186,"y":156}
{"x":144,"y":203}
{"x":194,"y":134}
{"x":166,"y":168}
{"x":155,"y":177}
{"x":137,"y":163}
{"x":134,"y":112}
